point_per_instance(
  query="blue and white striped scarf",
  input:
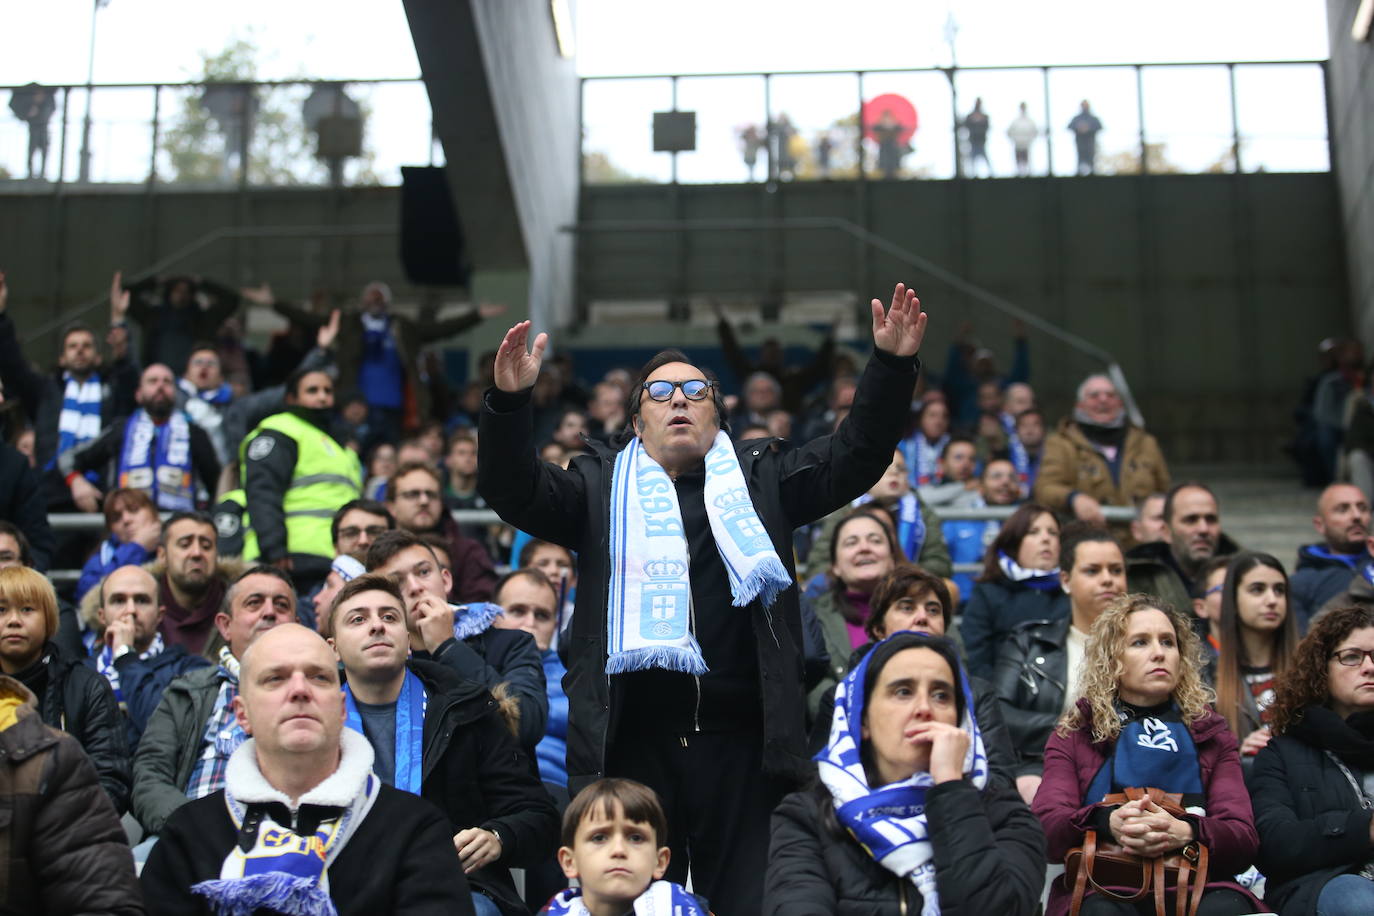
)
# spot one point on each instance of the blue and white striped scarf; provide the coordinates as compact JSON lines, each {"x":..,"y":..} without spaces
{"x":156,"y":457}
{"x":649,"y":615}
{"x":105,"y":664}
{"x":922,"y":457}
{"x":79,"y":421}
{"x":889,"y":821}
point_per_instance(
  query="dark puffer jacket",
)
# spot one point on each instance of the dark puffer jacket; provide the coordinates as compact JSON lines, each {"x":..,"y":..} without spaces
{"x":64,"y":847}
{"x":1321,"y":575}
{"x":81,"y":703}
{"x":989,"y":858}
{"x":1310,"y":822}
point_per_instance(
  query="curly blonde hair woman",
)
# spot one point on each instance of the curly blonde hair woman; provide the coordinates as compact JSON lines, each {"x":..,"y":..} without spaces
{"x":1142,"y":720}
{"x":1102,"y":669}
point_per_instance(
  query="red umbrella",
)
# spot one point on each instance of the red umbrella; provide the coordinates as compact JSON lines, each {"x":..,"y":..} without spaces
{"x":901,"y":109}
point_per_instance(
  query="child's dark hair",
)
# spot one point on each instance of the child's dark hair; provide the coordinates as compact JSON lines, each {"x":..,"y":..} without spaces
{"x":638,"y":801}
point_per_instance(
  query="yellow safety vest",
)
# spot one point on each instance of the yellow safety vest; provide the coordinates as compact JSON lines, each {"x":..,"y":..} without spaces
{"x":326,"y":476}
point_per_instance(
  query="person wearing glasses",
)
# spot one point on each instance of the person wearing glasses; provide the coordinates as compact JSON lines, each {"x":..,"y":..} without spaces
{"x":415,"y":497}
{"x":1311,"y":785}
{"x":295,"y":478}
{"x":685,"y":662}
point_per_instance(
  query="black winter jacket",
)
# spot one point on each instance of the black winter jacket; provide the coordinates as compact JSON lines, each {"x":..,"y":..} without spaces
{"x":509,"y":657}
{"x":80,"y":702}
{"x":1031,"y":676}
{"x":399,"y":861}
{"x":989,"y":858}
{"x":24,"y":502}
{"x":995,"y":609}
{"x":1310,"y":822}
{"x":65,"y":851}
{"x":475,"y":772}
{"x":789,"y":488}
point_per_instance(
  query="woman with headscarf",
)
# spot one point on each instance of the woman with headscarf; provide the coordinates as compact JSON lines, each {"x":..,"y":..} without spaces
{"x":903,"y":817}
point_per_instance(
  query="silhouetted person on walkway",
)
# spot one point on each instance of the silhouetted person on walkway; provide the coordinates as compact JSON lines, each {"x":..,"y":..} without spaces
{"x":1085,"y":127}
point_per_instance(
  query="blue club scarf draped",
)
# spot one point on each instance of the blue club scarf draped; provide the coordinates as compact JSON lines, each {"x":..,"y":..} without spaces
{"x":649,"y":614}
{"x":1154,"y":749}
{"x":410,"y":729}
{"x":922,"y":457}
{"x":911,"y":525}
{"x":1367,"y":571}
{"x":1326,"y":553}
{"x":79,"y":420}
{"x":157,"y":457}
{"x":1038,"y":579}
{"x":889,"y":821}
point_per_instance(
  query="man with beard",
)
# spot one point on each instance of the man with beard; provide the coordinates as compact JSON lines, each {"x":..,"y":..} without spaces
{"x":1097,"y":458}
{"x":415,"y":498}
{"x":156,"y":448}
{"x":295,"y":478}
{"x":1324,"y":568}
{"x":967,"y":540}
{"x":1172,"y":570}
{"x":192,"y":581}
{"x":192,"y":732}
{"x":68,"y":407}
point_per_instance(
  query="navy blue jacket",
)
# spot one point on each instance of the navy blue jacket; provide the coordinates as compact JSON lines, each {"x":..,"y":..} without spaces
{"x":142,"y":682}
{"x":1320,"y":576}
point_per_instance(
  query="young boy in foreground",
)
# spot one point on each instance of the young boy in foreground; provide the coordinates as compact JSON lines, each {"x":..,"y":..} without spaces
{"x":615,"y":842}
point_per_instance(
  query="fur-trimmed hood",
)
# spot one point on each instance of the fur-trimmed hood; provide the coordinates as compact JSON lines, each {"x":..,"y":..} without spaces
{"x":227,"y":569}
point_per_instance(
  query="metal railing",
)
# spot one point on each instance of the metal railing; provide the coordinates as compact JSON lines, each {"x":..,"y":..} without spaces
{"x":802,"y":125}
{"x":95,"y":522}
{"x":209,"y":135}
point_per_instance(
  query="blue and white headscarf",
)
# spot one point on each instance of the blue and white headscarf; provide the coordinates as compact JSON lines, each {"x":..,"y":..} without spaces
{"x":649,"y":616}
{"x":889,"y":822}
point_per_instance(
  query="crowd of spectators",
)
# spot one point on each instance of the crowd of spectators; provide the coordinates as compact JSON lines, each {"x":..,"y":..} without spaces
{"x":833,"y":637}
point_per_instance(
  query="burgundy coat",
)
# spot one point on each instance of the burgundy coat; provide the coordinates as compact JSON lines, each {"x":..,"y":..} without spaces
{"x":1228,"y":830}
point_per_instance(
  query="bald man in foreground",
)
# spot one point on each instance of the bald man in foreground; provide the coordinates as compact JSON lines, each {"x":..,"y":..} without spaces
{"x":301,"y":813}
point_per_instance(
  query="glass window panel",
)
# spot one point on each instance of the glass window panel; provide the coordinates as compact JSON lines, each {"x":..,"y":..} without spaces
{"x":930,"y":151}
{"x":820,"y":114}
{"x":618,"y":130}
{"x":1188,"y":119}
{"x":1002,"y":93}
{"x":1111,"y":95}
{"x":1282,"y":114}
{"x":727,"y":108}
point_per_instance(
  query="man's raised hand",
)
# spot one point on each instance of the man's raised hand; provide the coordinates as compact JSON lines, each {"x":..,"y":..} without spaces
{"x":119,"y":298}
{"x":901,"y":329}
{"x":516,"y":369}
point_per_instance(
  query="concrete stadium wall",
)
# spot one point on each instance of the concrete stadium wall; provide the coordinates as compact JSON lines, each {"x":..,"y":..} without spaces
{"x":1211,"y":290}
{"x":60,"y":250}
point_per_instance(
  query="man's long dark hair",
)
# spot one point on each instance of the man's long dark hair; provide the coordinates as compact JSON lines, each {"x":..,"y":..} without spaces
{"x":632,"y":401}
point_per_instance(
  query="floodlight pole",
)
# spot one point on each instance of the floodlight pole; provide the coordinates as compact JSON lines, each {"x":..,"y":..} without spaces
{"x":84,"y":172}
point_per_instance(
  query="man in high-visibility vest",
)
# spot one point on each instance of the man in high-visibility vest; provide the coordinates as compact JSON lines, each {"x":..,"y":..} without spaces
{"x":296,"y":476}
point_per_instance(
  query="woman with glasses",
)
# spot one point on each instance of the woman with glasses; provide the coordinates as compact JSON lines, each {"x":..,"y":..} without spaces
{"x":295,"y":477}
{"x":1312,"y":785}
{"x":1256,"y":637}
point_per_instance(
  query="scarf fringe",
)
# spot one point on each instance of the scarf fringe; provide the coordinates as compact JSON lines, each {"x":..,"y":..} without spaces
{"x":765,"y":581}
{"x":275,"y":891}
{"x":669,"y":658}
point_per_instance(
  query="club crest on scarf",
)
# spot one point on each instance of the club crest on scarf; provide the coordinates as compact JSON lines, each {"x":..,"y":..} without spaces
{"x":649,"y":617}
{"x":889,"y":822}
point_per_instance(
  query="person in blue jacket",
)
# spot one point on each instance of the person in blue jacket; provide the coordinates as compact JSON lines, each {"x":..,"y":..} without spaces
{"x":130,"y":651}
